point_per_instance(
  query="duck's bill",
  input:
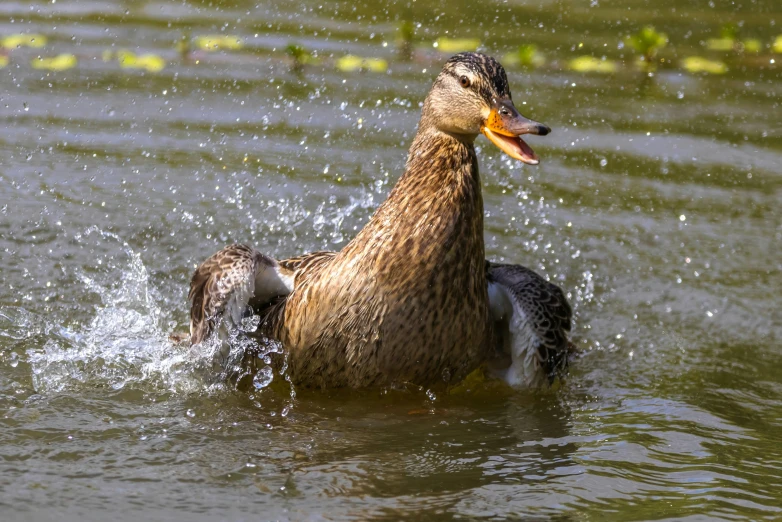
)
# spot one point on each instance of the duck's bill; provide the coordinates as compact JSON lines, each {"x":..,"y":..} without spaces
{"x":513,"y":146}
{"x":505,"y":125}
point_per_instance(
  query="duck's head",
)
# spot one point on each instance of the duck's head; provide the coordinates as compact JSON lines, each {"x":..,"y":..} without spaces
{"x":471,"y":96}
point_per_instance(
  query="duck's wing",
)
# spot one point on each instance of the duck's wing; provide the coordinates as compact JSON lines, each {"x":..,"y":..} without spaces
{"x":239,"y":278}
{"x":223,"y":285}
{"x":531,"y":321}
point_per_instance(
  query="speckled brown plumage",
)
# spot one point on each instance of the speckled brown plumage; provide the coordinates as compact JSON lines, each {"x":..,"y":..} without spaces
{"x":216,"y":280}
{"x":407,"y":299}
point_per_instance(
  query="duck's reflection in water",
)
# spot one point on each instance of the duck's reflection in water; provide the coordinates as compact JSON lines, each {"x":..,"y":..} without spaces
{"x":399,"y":450}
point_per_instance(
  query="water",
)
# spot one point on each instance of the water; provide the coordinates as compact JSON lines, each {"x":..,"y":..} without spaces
{"x":656,"y":207}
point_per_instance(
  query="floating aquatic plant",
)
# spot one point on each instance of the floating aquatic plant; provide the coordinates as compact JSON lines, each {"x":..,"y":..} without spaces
{"x":525,"y":56}
{"x":729,"y":41}
{"x":184,"y":46}
{"x":404,"y":41}
{"x":726,"y":41}
{"x":148,"y":62}
{"x":777,"y":45}
{"x":455,"y":45}
{"x":23,"y":40}
{"x":300,"y":56}
{"x":349,"y":63}
{"x":698,"y":64}
{"x":592,"y":64}
{"x":720,"y":44}
{"x":751,"y":45}
{"x":217,"y":42}
{"x":471,"y":381}
{"x":61,"y":62}
{"x":648,"y":41}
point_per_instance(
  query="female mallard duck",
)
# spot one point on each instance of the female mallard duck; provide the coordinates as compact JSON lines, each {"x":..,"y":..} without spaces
{"x":411,"y":298}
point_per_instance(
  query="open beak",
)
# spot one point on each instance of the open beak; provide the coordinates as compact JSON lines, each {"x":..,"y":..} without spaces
{"x":503,"y":127}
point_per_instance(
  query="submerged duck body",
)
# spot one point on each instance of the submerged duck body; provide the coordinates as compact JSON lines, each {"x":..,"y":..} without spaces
{"x":408,"y":299}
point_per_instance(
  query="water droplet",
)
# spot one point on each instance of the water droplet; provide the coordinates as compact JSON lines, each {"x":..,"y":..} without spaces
{"x":190,"y":413}
{"x":14,"y":360}
{"x":263,"y":378}
{"x":431,"y":395}
{"x":447,"y":375}
{"x":285,"y":411}
{"x":251,"y":323}
{"x":603,"y":162}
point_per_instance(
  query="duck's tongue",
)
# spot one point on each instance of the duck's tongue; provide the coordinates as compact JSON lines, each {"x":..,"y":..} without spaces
{"x":513,"y":146}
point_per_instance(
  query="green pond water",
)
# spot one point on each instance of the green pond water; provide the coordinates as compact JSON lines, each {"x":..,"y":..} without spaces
{"x":656,"y":207}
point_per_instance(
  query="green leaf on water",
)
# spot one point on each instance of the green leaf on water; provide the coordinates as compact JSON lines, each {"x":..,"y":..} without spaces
{"x":698,"y":64}
{"x":592,"y":64}
{"x":350,"y":63}
{"x":23,"y":40}
{"x":148,"y":62}
{"x":218,"y":42}
{"x":61,"y":62}
{"x":729,"y":41}
{"x":752,"y":45}
{"x":720,"y":44}
{"x":455,"y":45}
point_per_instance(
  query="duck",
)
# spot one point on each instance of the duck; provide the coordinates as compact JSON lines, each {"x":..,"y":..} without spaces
{"x":411,"y":299}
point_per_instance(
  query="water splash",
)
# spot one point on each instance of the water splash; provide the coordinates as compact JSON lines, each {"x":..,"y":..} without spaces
{"x":335,"y":219}
{"x":127,"y":340}
{"x":585,"y":291}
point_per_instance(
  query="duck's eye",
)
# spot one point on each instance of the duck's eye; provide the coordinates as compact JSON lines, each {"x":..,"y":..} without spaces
{"x":464,"y":81}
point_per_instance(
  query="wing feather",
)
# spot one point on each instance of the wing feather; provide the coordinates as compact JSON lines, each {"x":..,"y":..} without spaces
{"x":239,"y":276}
{"x":223,"y":285}
{"x":532,"y":318}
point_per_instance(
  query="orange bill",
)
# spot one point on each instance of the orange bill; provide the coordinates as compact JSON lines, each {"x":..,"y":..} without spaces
{"x":503,"y":127}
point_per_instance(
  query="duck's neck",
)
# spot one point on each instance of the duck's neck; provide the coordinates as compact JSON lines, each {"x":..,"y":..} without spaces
{"x":435,"y":157}
{"x":434,"y":214}
{"x":441,"y":177}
